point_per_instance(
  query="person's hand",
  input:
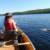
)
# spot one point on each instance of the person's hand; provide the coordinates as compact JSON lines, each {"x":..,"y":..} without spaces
{"x":16,"y":30}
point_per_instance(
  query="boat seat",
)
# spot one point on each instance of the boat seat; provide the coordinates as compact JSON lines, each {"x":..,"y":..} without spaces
{"x":26,"y":43}
{"x":19,"y":44}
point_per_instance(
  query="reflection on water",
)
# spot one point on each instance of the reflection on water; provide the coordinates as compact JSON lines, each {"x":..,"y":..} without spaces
{"x":35,"y":26}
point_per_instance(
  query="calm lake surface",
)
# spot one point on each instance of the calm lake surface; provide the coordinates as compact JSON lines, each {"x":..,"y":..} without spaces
{"x":34,"y":26}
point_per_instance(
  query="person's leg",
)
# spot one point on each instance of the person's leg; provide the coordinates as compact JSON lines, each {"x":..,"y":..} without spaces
{"x":14,"y":34}
{"x":20,"y":38}
{"x":6,"y":37}
{"x":15,"y":38}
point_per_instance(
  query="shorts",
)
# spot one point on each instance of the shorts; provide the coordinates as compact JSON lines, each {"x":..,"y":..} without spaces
{"x":11,"y":35}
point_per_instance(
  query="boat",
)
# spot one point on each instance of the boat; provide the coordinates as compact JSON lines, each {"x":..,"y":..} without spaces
{"x":24,"y":44}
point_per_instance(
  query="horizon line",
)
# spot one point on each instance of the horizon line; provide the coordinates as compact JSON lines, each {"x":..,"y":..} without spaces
{"x":23,"y":10}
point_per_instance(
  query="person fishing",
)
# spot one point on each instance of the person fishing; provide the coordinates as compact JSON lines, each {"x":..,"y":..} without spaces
{"x":10,"y":26}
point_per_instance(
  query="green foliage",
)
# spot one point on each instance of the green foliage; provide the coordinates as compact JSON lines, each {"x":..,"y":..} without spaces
{"x":38,"y":11}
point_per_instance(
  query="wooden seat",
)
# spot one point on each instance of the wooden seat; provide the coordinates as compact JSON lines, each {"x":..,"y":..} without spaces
{"x":26,"y":43}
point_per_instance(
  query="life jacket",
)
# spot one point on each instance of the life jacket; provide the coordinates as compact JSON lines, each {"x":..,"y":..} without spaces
{"x":9,"y":25}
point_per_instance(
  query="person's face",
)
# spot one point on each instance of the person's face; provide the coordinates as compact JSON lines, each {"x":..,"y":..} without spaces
{"x":9,"y":16}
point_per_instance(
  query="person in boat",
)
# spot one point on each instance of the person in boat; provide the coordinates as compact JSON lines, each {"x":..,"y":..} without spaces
{"x":10,"y":26}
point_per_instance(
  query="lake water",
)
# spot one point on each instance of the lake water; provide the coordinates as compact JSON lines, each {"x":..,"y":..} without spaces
{"x":34,"y":26}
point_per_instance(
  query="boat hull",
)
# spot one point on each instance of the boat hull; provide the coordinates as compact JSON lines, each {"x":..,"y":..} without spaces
{"x":24,"y":44}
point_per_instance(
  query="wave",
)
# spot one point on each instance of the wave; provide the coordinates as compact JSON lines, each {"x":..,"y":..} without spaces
{"x":45,"y":29}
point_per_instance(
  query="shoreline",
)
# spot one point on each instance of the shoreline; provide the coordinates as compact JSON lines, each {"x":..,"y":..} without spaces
{"x":37,"y":11}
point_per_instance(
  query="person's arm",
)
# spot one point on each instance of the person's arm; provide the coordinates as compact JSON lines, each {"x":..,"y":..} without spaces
{"x":15,"y":27}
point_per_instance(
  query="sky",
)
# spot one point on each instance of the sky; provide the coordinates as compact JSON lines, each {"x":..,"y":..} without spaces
{"x":22,"y":5}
